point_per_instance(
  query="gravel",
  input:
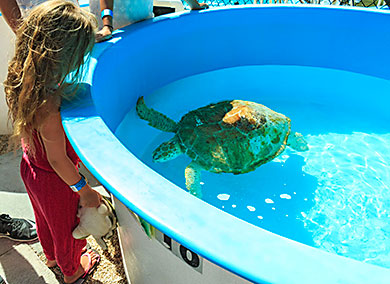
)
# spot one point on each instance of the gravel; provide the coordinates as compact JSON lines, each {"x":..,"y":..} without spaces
{"x":4,"y":144}
{"x":110,"y":269}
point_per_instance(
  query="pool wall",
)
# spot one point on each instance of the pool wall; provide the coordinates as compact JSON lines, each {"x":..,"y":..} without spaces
{"x":149,"y":55}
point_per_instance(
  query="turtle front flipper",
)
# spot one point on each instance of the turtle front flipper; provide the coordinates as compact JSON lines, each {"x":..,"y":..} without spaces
{"x":193,"y":175}
{"x":167,"y":150}
{"x":155,"y":118}
{"x":297,"y":142}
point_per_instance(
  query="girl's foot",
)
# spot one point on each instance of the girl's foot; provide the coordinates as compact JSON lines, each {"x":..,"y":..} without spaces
{"x":87,"y":262}
{"x":51,"y":263}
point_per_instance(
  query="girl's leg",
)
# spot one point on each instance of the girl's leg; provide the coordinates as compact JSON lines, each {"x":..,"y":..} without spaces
{"x":46,"y":240}
{"x":43,"y":231}
{"x":58,"y":204}
{"x":61,"y":218}
{"x":70,"y":255}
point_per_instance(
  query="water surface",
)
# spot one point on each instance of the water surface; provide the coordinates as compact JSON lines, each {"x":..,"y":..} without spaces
{"x":336,"y":195}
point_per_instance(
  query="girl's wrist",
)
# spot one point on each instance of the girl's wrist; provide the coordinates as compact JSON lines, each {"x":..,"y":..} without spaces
{"x":107,"y":17}
{"x":107,"y":21}
{"x":85,"y":190}
{"x":79,"y":185}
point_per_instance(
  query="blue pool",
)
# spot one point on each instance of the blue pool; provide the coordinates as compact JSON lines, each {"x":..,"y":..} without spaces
{"x":336,"y":196}
{"x":320,"y":216}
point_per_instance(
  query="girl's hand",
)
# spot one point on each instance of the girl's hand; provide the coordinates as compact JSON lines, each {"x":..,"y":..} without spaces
{"x":203,"y":6}
{"x":200,"y":6}
{"x":104,"y":34}
{"x":89,"y":197}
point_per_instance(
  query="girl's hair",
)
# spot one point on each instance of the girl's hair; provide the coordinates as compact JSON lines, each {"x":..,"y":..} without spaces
{"x":52,"y":41}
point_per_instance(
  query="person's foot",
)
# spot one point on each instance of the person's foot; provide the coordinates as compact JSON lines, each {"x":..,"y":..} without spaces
{"x":17,"y":229}
{"x":51,"y":263}
{"x":88,"y":262}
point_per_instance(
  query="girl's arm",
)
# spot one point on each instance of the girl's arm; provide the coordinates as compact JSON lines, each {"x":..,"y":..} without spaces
{"x":11,"y":13}
{"x":107,"y":4}
{"x":106,"y":32}
{"x":53,"y":138}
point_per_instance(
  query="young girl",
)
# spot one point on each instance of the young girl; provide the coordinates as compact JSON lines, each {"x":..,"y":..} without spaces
{"x":51,"y":42}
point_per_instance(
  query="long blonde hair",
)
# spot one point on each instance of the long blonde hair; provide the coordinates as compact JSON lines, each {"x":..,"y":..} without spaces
{"x":51,"y":42}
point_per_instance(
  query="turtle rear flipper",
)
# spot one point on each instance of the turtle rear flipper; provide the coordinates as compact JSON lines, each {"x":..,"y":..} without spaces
{"x":297,"y":142}
{"x":155,"y":118}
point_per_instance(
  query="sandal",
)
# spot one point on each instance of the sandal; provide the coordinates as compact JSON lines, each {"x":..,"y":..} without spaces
{"x":84,"y":250}
{"x":90,"y":268}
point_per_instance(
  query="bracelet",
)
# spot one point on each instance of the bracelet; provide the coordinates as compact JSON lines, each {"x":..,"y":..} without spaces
{"x":79,"y":185}
{"x":107,"y":12}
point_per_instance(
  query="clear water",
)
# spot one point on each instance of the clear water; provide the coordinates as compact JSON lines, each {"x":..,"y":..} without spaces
{"x":335,"y":196}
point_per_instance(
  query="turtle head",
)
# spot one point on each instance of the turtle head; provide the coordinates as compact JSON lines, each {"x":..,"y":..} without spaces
{"x":167,"y":151}
{"x":297,"y":142}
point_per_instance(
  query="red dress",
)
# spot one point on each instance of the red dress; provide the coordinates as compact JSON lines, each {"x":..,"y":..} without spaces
{"x":55,"y":207}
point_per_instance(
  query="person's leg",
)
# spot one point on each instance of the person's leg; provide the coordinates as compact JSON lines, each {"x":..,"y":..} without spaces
{"x":58,"y":204}
{"x":70,"y":253}
{"x":42,"y":228}
{"x":45,"y":239}
{"x":28,"y":175}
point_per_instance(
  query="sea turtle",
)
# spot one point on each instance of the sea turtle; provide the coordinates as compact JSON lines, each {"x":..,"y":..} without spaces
{"x":227,"y":137}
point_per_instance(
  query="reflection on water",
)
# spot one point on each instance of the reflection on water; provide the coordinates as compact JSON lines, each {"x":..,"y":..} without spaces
{"x":336,"y":195}
{"x":351,"y":209}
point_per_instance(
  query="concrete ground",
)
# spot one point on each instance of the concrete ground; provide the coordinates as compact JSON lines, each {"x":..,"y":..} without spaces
{"x":19,"y":262}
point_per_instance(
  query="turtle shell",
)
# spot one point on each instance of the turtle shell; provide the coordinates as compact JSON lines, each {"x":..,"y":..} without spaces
{"x":233,"y":136}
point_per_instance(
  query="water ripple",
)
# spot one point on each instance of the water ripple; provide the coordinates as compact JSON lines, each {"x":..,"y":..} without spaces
{"x":351,"y":213}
